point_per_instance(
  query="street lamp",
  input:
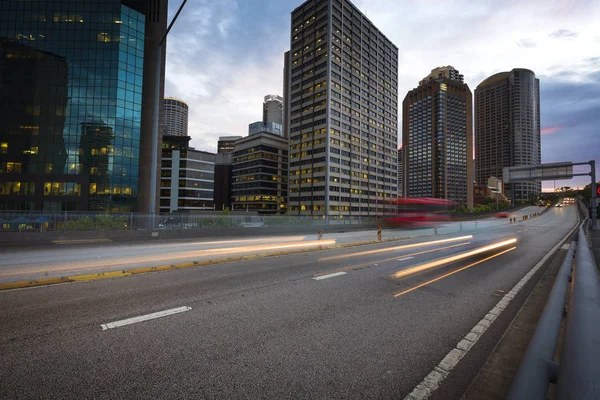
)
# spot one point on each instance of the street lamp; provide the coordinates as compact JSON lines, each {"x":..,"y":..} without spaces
{"x":154,"y":168}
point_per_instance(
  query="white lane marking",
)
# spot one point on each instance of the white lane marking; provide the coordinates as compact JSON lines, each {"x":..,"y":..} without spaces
{"x":318,"y":278}
{"x":564,"y":247}
{"x":405,"y":258}
{"x":146,"y":317}
{"x":434,"y":379}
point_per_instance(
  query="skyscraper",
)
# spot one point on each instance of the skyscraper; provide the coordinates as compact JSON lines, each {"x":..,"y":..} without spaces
{"x":507,"y":128}
{"x":273,"y":109}
{"x":437,"y":138}
{"x":175,"y":117}
{"x":73,"y":80}
{"x":343,"y":112}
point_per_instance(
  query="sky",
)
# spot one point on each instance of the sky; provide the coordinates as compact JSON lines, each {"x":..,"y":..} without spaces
{"x":224,"y":56}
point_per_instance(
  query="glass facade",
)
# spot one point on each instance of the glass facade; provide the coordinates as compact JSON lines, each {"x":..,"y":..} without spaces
{"x":71,"y":93}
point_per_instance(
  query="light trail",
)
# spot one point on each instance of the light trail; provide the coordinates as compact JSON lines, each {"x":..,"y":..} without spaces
{"x":391,"y":259}
{"x":453,"y":272}
{"x":447,"y":260}
{"x":406,"y":246}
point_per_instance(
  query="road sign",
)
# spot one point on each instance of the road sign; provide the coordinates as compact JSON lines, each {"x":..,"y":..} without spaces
{"x":598,"y":191}
{"x":540,"y":172}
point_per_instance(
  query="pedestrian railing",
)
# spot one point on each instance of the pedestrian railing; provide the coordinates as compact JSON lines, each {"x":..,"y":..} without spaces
{"x":577,"y":372}
{"x":20,"y":221}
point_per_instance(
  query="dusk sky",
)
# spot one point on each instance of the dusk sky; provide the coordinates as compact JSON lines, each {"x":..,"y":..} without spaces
{"x":224,"y":56}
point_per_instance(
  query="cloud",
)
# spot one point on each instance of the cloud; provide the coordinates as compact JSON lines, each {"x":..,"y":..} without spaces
{"x":564,"y":33}
{"x":224,"y":56}
{"x":551,"y":129}
{"x":526,"y":43}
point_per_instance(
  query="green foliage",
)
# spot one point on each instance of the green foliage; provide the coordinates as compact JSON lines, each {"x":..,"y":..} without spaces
{"x":226,"y":211}
{"x":101,"y":222}
{"x":218,"y":222}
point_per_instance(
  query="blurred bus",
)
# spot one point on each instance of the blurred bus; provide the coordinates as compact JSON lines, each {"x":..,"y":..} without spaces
{"x":418,"y":212}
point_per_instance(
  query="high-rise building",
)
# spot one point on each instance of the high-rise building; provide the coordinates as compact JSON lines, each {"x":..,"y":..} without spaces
{"x":400,"y":191}
{"x":507,"y":128}
{"x":187,"y":176}
{"x":260,"y":126}
{"x":437,"y":139}
{"x":75,"y":82}
{"x":286,"y":95}
{"x":343,"y":112}
{"x":226,"y":144}
{"x":273,"y":109}
{"x":260,"y":174}
{"x":175,"y":117}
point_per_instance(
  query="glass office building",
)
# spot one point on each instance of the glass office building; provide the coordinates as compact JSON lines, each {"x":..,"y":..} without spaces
{"x":71,"y":75}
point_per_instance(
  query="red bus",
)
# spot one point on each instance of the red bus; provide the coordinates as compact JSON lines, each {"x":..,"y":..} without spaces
{"x":419,"y":212}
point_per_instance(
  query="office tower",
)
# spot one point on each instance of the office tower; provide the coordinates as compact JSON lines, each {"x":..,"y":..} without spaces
{"x":273,"y":109}
{"x":507,"y":128}
{"x":73,"y":79}
{"x":175,"y":117}
{"x":187,"y":176}
{"x":226,"y":144}
{"x":260,"y":174}
{"x":437,"y":138}
{"x":286,"y":95}
{"x":260,"y":126}
{"x":400,"y":192}
{"x":343,"y":99}
{"x":223,"y":177}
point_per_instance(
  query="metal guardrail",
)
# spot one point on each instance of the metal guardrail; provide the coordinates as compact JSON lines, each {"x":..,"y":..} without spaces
{"x":577,"y":375}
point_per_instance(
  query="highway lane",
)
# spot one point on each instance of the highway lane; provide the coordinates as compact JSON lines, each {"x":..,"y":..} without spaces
{"x":36,"y":264}
{"x":264,"y":328}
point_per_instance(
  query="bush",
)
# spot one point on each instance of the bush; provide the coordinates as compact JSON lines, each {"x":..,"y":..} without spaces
{"x":102,"y":222}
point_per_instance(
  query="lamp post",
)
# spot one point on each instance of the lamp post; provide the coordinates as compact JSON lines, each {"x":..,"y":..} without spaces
{"x":154,"y":168}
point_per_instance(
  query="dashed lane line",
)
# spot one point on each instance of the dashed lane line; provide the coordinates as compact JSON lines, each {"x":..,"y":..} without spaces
{"x":319,"y":278}
{"x":142,"y":318}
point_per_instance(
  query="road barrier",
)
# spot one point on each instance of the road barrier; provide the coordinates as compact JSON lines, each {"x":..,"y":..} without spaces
{"x":379,"y":233}
{"x":576,"y":375}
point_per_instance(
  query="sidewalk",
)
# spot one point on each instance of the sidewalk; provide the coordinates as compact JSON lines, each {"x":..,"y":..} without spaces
{"x":595,"y":239}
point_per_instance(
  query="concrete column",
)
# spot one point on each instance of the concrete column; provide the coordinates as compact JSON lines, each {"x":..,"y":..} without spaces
{"x":156,"y":26}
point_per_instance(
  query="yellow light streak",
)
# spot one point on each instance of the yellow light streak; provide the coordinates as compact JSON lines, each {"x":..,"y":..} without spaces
{"x":453,"y":272}
{"x":390,"y":259}
{"x":406,"y":246}
{"x":447,"y":260}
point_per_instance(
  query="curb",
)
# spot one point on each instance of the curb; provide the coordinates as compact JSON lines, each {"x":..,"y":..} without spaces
{"x":189,"y":264}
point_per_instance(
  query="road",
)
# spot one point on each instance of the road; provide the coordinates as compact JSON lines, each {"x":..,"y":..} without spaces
{"x":35,"y":264}
{"x":267,"y":328}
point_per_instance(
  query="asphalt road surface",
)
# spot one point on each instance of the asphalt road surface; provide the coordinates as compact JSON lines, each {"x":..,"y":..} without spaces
{"x":41,"y":263}
{"x":267,"y":328}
